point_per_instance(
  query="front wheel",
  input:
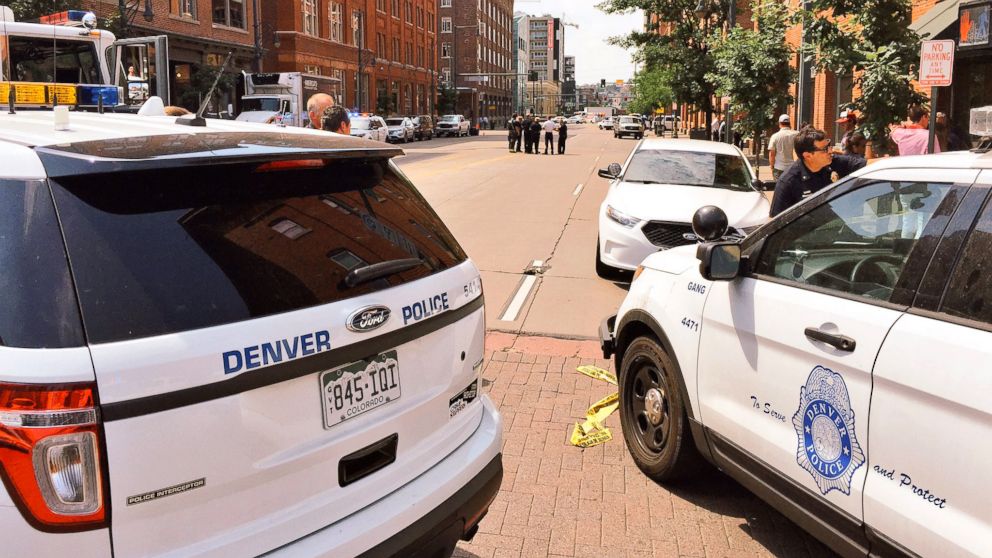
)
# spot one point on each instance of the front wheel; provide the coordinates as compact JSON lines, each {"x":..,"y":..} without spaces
{"x":653,"y":413}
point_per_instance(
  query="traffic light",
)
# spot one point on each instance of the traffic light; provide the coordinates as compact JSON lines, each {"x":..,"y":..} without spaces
{"x":602,"y":83}
{"x":532,"y":75}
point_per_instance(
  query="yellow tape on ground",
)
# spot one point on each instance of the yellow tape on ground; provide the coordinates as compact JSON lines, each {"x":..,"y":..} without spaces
{"x":592,"y":432}
{"x":598,"y":373}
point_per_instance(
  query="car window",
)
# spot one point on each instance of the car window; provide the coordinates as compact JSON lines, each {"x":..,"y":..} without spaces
{"x":361,"y":123}
{"x":172,"y":249}
{"x":38,"y":307}
{"x":690,"y":168}
{"x":394,"y":121}
{"x":858,"y":243}
{"x":969,"y":292}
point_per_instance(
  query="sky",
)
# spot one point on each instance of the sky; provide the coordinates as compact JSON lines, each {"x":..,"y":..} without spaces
{"x":594,"y":58}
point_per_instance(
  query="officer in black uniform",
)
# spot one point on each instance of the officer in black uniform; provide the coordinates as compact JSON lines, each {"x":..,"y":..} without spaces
{"x":812,"y":170}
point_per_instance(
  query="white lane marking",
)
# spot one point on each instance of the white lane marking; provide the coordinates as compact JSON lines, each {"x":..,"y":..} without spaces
{"x":577,"y":190}
{"x":523,"y":291}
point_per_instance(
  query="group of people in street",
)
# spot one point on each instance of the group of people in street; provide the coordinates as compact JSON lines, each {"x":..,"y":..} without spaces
{"x":526,"y":129}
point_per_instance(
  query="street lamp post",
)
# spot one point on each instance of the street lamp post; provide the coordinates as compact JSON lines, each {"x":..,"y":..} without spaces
{"x":358,"y":32}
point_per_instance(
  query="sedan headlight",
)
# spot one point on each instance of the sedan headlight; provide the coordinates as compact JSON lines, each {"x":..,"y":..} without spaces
{"x":622,"y":218}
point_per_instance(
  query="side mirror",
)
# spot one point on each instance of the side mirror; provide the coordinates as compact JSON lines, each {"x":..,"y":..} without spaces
{"x":709,"y":223}
{"x":611,"y":171}
{"x":719,"y":261}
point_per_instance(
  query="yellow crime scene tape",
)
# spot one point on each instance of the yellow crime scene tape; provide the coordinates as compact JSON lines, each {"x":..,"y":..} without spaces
{"x":593,"y":432}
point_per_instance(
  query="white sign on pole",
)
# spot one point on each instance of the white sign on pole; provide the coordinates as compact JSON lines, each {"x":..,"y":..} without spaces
{"x":936,"y":63}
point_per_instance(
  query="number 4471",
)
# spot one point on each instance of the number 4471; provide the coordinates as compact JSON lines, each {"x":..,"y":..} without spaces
{"x":691,"y":324}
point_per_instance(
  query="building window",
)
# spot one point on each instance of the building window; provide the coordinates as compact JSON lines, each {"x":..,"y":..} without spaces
{"x":396,"y":50}
{"x":396,"y":8}
{"x":338,"y":86}
{"x":409,"y":54}
{"x":311,"y":69}
{"x":446,"y":25}
{"x":408,"y":11}
{"x":380,"y":44}
{"x":446,"y":75}
{"x":334,"y":22}
{"x":185,"y":8}
{"x":445,"y":3}
{"x":430,"y":22}
{"x":229,"y":12}
{"x":289,"y":228}
{"x":358,"y":33}
{"x":380,"y":5}
{"x":420,"y":57}
{"x":445,"y":50}
{"x":309,"y":17}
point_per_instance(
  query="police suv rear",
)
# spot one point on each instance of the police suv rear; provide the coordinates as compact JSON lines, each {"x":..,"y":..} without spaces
{"x":834,"y":361}
{"x":232,"y":340}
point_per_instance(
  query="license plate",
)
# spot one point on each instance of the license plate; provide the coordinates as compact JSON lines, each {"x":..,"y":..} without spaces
{"x":353,"y":389}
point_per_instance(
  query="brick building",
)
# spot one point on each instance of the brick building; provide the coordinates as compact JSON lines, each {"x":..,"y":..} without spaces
{"x":477,"y":38}
{"x":200,"y":35}
{"x":397,"y":40}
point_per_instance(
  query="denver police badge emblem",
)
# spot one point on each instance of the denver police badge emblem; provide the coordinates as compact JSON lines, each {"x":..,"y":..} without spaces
{"x":828,"y":447}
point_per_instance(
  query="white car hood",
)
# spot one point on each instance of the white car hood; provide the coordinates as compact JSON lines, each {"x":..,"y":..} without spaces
{"x":675,"y":260}
{"x":670,"y":202}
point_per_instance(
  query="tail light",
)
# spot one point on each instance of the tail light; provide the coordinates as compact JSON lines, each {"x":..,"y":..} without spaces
{"x":50,"y":455}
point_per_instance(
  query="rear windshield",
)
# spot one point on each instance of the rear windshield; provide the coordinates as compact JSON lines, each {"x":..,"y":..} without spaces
{"x":449,"y":118}
{"x":360,"y":123}
{"x":394,"y":121}
{"x":689,"y":168}
{"x":167,"y":250}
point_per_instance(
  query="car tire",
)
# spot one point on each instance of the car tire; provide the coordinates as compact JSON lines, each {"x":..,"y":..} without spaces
{"x":653,"y":413}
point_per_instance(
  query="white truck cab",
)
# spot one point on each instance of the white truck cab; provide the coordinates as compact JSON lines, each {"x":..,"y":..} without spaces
{"x":65,"y":60}
{"x":834,"y":361}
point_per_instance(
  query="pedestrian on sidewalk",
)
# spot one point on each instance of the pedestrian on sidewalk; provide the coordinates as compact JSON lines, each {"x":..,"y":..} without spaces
{"x":781,"y":147}
{"x":715,"y":129}
{"x":812,"y":171}
{"x":850,"y":121}
{"x":535,"y":135}
{"x":549,"y":135}
{"x":912,"y":138}
{"x":562,"y":136}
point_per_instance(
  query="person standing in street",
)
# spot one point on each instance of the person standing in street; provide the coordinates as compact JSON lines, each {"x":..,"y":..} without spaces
{"x":518,"y":129}
{"x":528,"y":144}
{"x":913,"y":138}
{"x":781,"y":146}
{"x":812,"y":170}
{"x":316,"y":105}
{"x":549,"y":135}
{"x":336,"y":120}
{"x":511,"y":133}
{"x":715,"y":129}
{"x":535,"y":135}
{"x":562,"y":136}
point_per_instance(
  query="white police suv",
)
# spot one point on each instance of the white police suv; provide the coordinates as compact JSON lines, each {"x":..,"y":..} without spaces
{"x":232,"y":340}
{"x":835,"y":361}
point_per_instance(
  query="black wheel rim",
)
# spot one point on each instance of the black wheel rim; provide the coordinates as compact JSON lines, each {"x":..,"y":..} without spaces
{"x":650,"y":406}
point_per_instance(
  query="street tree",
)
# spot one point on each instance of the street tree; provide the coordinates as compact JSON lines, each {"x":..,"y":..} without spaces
{"x":653,"y":91}
{"x":682,"y":50}
{"x":446,"y":99}
{"x":33,"y":9}
{"x":872,"y":42}
{"x":752,"y":68}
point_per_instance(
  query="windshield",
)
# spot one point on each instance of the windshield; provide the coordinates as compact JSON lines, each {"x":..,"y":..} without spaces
{"x":270,"y":104}
{"x":449,"y":118}
{"x":394,"y":121}
{"x":360,"y":123}
{"x":629,"y":120}
{"x":689,"y":168}
{"x":46,"y":60}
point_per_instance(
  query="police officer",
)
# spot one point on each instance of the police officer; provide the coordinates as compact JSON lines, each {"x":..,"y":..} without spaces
{"x":811,"y":172}
{"x":528,"y":138}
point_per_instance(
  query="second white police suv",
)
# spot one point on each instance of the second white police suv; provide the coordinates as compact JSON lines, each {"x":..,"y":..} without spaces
{"x":835,"y":361}
{"x":232,"y":339}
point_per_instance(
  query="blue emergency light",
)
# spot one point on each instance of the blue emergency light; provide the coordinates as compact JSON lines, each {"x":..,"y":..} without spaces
{"x":64,"y":18}
{"x":90,"y":95}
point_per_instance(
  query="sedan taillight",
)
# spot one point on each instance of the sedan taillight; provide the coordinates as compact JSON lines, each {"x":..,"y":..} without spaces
{"x":50,"y":455}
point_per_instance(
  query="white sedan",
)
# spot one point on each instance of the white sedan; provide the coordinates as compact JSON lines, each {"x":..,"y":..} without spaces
{"x":653,"y":196}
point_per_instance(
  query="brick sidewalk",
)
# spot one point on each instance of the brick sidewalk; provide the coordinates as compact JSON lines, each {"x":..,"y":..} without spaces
{"x":559,"y":500}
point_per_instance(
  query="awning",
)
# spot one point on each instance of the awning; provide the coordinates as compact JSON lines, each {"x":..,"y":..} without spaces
{"x":937,"y":19}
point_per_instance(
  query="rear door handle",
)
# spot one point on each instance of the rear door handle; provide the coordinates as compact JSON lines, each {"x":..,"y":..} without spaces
{"x":841,"y":342}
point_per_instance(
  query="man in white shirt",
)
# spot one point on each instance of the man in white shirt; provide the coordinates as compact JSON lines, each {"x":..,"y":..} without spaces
{"x":782,"y":147}
{"x":549,"y":135}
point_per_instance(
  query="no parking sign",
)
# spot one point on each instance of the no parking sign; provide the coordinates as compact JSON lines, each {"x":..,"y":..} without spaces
{"x":936,"y":63}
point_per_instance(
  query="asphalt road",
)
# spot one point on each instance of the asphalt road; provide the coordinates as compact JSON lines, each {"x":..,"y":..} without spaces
{"x":509,"y":210}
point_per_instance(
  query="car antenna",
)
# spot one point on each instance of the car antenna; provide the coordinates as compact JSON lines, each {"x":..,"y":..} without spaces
{"x":198,"y":119}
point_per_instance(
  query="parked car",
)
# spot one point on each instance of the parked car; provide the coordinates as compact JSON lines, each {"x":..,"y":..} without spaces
{"x":243,"y":339}
{"x":606,"y":123}
{"x":401,"y":129}
{"x":370,"y":127}
{"x":575,"y":120}
{"x":834,"y":362}
{"x":629,"y":126}
{"x":452,"y":125}
{"x":652,"y":197}
{"x":423,"y":126}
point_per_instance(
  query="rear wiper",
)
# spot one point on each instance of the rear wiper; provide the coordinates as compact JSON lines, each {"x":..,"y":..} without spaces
{"x":374,"y":271}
